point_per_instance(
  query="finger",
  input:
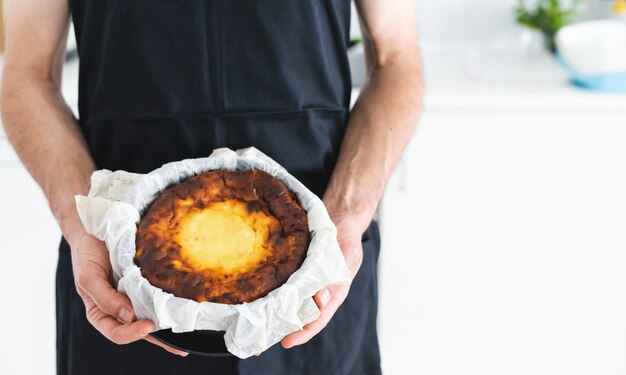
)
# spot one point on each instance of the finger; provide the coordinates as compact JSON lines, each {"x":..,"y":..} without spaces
{"x":310,"y":330}
{"x":322,"y":297}
{"x":108,"y":300}
{"x":168,"y":348}
{"x":125,"y":333}
{"x":112,"y":329}
{"x":313,"y":328}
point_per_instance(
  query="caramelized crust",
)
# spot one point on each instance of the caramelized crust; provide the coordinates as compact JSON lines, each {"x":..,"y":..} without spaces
{"x":223,"y":236}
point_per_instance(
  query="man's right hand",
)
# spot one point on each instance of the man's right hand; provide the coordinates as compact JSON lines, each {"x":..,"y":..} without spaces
{"x":108,"y":310}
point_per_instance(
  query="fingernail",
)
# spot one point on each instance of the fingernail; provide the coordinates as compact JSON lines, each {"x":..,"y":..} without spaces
{"x":146,"y":333}
{"x":125,"y":315}
{"x":183,"y":354}
{"x":324,"y":297}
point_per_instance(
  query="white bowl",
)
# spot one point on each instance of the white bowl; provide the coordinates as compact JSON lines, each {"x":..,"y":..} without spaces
{"x":594,"y":47}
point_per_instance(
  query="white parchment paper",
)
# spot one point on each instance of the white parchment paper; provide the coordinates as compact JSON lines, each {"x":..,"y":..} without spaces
{"x":112,"y":210}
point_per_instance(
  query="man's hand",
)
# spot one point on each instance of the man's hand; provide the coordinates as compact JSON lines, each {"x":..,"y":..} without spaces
{"x":330,"y":298}
{"x":109,"y":311}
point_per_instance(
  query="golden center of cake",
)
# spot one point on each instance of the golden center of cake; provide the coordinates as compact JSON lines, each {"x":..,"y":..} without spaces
{"x":223,"y":236}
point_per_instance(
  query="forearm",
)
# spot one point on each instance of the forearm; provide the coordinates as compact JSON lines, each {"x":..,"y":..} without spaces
{"x":380,"y":126}
{"x":46,"y":137}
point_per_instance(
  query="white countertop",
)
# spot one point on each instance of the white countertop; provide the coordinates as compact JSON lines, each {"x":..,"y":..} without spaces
{"x":543,"y":87}
{"x":456,"y":80}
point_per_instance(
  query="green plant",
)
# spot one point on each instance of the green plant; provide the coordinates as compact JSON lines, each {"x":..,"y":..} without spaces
{"x":547,"y":16}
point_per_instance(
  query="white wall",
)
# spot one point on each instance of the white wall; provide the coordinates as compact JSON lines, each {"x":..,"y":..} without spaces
{"x":464,"y":19}
{"x":459,"y":20}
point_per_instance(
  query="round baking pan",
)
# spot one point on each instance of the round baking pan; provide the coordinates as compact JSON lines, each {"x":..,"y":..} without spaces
{"x":207,"y":343}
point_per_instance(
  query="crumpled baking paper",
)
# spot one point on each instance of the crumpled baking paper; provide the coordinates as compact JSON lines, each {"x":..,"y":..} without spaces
{"x":113,"y":208}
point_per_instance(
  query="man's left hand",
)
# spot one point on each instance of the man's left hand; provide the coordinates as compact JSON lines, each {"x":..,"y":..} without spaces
{"x":330,"y":298}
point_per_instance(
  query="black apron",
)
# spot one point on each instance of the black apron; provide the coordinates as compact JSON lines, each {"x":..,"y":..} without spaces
{"x":164,"y":80}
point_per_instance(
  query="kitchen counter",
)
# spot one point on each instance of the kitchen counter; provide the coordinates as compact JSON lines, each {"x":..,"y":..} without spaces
{"x":451,"y":86}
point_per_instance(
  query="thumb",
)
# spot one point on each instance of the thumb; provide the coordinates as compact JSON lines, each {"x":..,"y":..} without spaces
{"x":109,"y":300}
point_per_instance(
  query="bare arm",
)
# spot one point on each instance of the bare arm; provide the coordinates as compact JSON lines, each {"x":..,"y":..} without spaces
{"x":47,"y":138}
{"x":386,"y":113}
{"x":380,"y":126}
{"x":38,"y":122}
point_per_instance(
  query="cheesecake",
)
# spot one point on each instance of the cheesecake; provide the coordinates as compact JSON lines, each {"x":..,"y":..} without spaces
{"x":222,"y":236}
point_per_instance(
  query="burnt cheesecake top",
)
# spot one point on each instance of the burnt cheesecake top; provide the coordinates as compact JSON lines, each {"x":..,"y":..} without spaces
{"x":223,"y":236}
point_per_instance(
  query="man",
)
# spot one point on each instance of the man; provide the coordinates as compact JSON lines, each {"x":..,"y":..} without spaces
{"x":163,"y":80}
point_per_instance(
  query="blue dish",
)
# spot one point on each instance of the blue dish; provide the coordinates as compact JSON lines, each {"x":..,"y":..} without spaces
{"x":610,"y":82}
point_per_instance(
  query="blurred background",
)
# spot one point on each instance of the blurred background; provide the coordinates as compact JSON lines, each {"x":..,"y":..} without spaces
{"x":503,"y":227}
